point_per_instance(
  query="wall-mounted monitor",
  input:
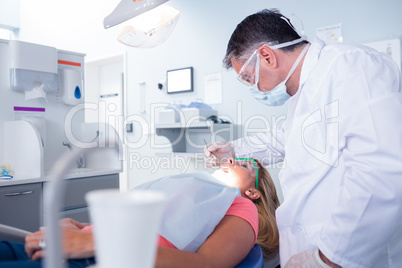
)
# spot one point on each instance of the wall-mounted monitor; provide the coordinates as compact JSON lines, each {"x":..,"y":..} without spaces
{"x":179,"y":80}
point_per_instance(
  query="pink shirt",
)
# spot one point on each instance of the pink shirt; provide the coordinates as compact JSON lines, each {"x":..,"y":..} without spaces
{"x":241,"y":207}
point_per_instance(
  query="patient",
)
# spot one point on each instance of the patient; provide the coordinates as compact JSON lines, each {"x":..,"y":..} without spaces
{"x":249,"y":220}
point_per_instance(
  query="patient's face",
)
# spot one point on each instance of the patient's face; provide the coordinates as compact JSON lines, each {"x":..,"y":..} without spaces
{"x":241,"y":174}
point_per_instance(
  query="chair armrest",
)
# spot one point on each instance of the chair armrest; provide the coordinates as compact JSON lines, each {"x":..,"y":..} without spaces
{"x":254,"y":259}
{"x":12,"y":234}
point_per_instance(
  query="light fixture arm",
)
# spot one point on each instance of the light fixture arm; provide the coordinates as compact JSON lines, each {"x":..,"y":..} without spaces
{"x":128,"y":9}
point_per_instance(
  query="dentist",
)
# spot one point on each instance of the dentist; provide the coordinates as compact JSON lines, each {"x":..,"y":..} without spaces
{"x":341,"y":143}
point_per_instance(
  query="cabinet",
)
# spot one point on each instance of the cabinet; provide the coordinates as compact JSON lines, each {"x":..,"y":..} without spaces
{"x":21,"y":206}
{"x":75,"y":206}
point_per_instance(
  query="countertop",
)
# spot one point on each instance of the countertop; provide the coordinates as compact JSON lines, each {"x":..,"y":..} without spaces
{"x":73,"y":174}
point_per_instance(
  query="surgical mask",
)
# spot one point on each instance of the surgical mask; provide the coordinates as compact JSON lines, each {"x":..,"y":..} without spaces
{"x":278,"y":95}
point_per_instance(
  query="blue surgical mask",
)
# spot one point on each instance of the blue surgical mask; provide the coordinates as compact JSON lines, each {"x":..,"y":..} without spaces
{"x":275,"y":97}
{"x":278,"y":95}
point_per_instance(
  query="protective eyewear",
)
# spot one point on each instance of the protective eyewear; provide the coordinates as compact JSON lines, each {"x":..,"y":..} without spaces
{"x":247,"y":72}
{"x":249,"y":69}
{"x":248,"y":164}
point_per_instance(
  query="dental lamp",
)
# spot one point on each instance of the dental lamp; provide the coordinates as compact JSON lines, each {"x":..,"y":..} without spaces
{"x":148,"y":23}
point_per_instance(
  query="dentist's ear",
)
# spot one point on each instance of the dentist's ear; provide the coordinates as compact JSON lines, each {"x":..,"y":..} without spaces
{"x":253,"y":194}
{"x":268,"y":56}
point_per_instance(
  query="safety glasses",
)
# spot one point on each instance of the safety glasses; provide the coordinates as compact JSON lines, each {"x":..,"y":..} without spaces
{"x":248,"y":164}
{"x":249,"y":70}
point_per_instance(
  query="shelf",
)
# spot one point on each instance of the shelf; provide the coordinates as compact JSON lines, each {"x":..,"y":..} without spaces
{"x":202,"y":124}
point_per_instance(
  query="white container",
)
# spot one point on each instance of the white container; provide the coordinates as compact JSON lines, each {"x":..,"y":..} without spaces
{"x":168,"y":116}
{"x":32,"y":63}
{"x":197,"y":115}
{"x":125,"y":227}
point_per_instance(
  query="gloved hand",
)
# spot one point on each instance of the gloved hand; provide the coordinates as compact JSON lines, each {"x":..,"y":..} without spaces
{"x":216,"y":153}
{"x":306,"y":259}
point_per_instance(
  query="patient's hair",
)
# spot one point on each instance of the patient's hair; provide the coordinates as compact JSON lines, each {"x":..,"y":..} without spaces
{"x":268,"y":234}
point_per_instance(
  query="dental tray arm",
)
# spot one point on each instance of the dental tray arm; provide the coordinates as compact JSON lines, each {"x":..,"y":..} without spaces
{"x":53,"y":196}
{"x":12,"y":234}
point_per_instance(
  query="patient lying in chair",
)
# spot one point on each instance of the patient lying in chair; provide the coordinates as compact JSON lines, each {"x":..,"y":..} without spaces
{"x":248,"y":219}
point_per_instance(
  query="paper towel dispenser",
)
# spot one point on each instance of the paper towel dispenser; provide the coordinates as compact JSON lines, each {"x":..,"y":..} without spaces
{"x":33,"y":64}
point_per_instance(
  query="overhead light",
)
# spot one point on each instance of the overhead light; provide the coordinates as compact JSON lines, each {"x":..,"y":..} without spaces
{"x":151,"y":28}
{"x":148,"y":22}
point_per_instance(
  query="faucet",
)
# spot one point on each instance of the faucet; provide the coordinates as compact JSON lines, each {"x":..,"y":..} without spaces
{"x":67,"y":144}
{"x":81,"y":162}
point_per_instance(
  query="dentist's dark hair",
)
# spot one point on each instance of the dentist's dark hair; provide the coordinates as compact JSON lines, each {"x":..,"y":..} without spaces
{"x":257,"y":29}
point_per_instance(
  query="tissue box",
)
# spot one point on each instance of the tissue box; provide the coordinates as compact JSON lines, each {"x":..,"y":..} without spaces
{"x":168,"y":116}
{"x":32,"y":63}
{"x":197,"y":115}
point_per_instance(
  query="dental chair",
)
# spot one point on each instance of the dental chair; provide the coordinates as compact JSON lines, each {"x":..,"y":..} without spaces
{"x":254,"y":259}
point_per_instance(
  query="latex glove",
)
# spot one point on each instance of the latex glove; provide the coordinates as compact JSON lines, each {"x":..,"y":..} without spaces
{"x":216,"y":153}
{"x":32,"y":241}
{"x":306,"y":259}
{"x":77,"y":244}
{"x":67,"y":221}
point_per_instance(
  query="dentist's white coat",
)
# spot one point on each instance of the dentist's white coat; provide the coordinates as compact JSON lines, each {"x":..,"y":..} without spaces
{"x":342,"y":147}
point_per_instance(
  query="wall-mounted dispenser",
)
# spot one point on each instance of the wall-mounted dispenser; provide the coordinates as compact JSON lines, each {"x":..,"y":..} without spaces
{"x":71,"y":86}
{"x":71,"y":77}
{"x":33,"y":64}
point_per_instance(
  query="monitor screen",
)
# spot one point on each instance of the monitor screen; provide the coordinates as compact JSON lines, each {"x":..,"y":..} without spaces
{"x":180,"y":80}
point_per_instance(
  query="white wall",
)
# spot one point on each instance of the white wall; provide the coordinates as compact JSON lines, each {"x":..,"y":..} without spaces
{"x":199,"y":40}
